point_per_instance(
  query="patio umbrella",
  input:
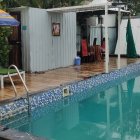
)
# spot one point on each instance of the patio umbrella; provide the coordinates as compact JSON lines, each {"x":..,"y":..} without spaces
{"x":131,"y":50}
{"x":7,"y":20}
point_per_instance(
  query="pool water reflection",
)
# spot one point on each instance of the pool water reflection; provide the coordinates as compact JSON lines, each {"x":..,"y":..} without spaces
{"x":111,"y":114}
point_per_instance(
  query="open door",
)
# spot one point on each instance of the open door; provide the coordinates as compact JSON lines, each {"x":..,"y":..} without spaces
{"x":15,"y":40}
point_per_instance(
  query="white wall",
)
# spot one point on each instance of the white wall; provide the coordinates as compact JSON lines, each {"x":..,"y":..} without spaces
{"x":25,"y":39}
{"x":111,"y":22}
{"x":135,"y":24}
{"x":63,"y":48}
{"x":47,"y":51}
{"x":92,"y":21}
{"x":39,"y":39}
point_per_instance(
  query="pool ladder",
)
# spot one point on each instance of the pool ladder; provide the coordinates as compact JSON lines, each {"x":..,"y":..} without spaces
{"x":15,"y":90}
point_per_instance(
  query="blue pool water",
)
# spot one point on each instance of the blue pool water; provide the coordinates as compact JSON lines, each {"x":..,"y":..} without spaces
{"x":113,"y":114}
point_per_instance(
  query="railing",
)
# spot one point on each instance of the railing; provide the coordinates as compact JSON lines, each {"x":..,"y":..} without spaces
{"x":28,"y":100}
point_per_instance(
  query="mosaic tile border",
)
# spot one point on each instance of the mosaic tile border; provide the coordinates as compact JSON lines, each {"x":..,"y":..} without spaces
{"x":97,"y":83}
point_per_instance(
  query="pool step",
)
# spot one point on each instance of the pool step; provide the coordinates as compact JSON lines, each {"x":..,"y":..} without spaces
{"x":12,"y":113}
{"x":17,"y":121}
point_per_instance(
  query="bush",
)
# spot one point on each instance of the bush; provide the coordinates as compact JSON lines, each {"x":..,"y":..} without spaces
{"x":4,"y":46}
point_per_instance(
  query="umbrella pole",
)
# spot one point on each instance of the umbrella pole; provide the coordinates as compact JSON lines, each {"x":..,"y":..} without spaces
{"x":119,"y":48}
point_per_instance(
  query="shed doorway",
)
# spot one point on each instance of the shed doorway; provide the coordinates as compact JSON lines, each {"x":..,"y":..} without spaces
{"x":15,"y":55}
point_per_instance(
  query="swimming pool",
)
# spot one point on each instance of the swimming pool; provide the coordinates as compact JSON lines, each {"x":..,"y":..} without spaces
{"x":97,"y":108}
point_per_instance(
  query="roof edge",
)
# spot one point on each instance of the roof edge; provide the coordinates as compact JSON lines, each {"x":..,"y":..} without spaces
{"x":80,"y":8}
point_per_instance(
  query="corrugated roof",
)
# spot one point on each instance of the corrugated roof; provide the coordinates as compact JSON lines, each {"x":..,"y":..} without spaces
{"x":95,"y":5}
{"x":81,"y":8}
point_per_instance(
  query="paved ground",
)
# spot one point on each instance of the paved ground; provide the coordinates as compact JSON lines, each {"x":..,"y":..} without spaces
{"x":52,"y":78}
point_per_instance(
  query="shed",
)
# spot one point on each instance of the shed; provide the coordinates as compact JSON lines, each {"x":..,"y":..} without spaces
{"x":41,"y":48}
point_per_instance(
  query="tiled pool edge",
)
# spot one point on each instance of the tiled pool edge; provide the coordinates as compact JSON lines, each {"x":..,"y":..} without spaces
{"x":98,"y":83}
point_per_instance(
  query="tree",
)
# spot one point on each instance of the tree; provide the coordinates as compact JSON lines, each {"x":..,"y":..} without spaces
{"x":133,"y":6}
{"x":41,"y":3}
{"x":4,"y":46}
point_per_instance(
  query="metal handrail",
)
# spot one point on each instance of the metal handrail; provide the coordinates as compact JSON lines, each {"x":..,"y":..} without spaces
{"x":28,"y":100}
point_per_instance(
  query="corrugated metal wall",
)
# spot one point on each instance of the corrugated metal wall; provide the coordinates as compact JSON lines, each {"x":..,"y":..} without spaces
{"x":47,"y":51}
{"x":25,"y":38}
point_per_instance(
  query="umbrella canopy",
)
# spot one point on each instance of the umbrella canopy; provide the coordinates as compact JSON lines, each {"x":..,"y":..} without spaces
{"x":7,"y":20}
{"x":131,"y":50}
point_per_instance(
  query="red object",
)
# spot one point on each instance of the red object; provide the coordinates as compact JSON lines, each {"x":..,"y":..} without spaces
{"x":84,"y":47}
{"x":103,"y":47}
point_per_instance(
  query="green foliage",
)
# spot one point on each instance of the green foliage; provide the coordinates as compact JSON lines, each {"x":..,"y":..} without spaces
{"x":4,"y":46}
{"x":40,"y":3}
{"x":133,"y":6}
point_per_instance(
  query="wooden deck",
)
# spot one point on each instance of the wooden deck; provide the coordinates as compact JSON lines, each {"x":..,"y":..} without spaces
{"x":50,"y":79}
